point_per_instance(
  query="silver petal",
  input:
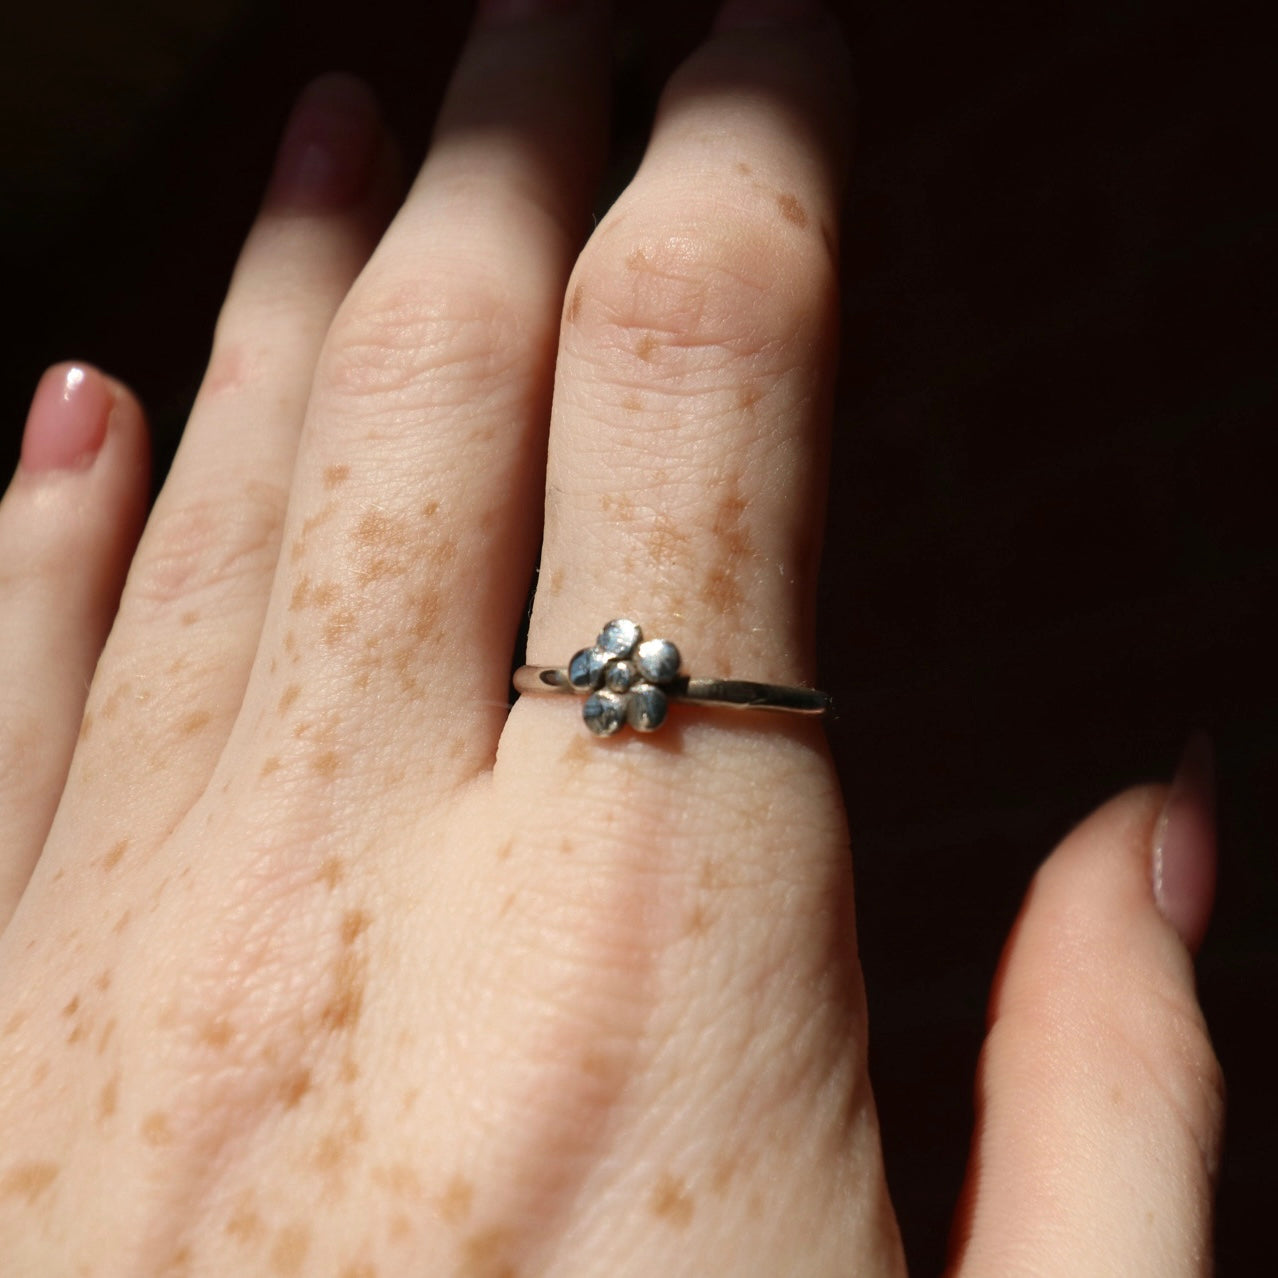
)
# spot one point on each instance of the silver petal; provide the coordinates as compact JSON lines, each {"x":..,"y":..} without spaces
{"x":619,"y":676}
{"x":620,"y":638}
{"x":604,"y":713}
{"x":658,"y":660}
{"x":586,"y":669}
{"x":646,"y":707}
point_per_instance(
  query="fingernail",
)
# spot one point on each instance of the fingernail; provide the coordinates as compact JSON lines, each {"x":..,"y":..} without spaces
{"x":1185,"y":845}
{"x":326,"y":156}
{"x":736,"y":14}
{"x":67,"y":423}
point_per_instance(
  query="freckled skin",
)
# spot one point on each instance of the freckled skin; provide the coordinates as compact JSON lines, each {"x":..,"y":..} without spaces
{"x":194,"y":722}
{"x":671,"y":1202}
{"x":288,"y":1252}
{"x":29,"y":1180}
{"x":792,"y":210}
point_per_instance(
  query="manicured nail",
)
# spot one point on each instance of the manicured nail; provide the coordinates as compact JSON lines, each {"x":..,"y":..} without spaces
{"x":736,"y":14}
{"x":1185,"y":845}
{"x":331,"y":140}
{"x":67,"y":423}
{"x":495,"y":12}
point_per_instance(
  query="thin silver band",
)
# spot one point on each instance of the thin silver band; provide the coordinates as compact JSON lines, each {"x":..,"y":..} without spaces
{"x":626,"y":680}
{"x":736,"y":694}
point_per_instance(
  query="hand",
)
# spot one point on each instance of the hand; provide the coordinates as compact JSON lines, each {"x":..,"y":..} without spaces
{"x":318,"y":960}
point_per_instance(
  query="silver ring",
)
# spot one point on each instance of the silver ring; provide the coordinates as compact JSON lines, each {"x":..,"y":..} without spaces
{"x":626,"y":678}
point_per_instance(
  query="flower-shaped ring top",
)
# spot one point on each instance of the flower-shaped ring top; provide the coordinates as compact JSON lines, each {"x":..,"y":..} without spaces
{"x":626,"y":676}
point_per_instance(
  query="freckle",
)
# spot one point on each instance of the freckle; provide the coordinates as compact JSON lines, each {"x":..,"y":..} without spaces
{"x":456,"y":1200}
{"x":335,"y":476}
{"x":103,"y":981}
{"x":194,"y":722}
{"x":504,"y":851}
{"x":108,"y":1097}
{"x":121,"y":923}
{"x":574,"y":304}
{"x":301,"y":594}
{"x":331,"y":871}
{"x":645,"y":347}
{"x":326,"y":763}
{"x":485,"y":1255}
{"x":294,"y":1087}
{"x":671,"y":1201}
{"x":743,"y":168}
{"x":636,"y":259}
{"x":445,"y":552}
{"x":189,"y":618}
{"x":112,"y":858}
{"x":698,"y":921}
{"x":288,"y":1255}
{"x":72,"y":1007}
{"x":274,"y":665}
{"x":506,"y":906}
{"x":359,"y":1269}
{"x":566,"y":847}
{"x":290,"y":643}
{"x":577,"y":751}
{"x":86,"y":726}
{"x":339,"y":625}
{"x":749,"y":396}
{"x":792,"y":210}
{"x":349,"y":1069}
{"x":324,"y":594}
{"x":297,"y":550}
{"x":347,"y":999}
{"x":400,"y":1179}
{"x":722,"y":590}
{"x":301,"y":729}
{"x":724,"y":1171}
{"x":354,"y":925}
{"x":78,"y":1034}
{"x":631,"y":402}
{"x":290,"y":695}
{"x":245,"y":1224}
{"x":557,"y":579}
{"x":28,"y":1180}
{"x":410,"y":1099}
{"x":155,"y":1129}
{"x":271,"y":764}
{"x":178,"y":1263}
{"x":14,"y":1023}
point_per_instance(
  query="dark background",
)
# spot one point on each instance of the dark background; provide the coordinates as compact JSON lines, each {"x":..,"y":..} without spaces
{"x":1052,"y":540}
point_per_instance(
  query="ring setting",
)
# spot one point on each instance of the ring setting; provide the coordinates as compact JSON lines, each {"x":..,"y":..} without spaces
{"x":629,"y":680}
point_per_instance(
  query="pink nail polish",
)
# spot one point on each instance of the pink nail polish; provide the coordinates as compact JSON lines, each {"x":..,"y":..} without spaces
{"x":67,"y":424}
{"x":1185,"y":845}
{"x":326,"y":156}
{"x":736,"y":14}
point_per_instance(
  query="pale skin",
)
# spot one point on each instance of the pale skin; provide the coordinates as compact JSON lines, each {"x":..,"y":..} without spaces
{"x":318,"y":958}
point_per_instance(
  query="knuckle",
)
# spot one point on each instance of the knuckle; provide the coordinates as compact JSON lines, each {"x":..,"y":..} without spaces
{"x":421,"y":344}
{"x":718,"y":281}
{"x":212,"y":544}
